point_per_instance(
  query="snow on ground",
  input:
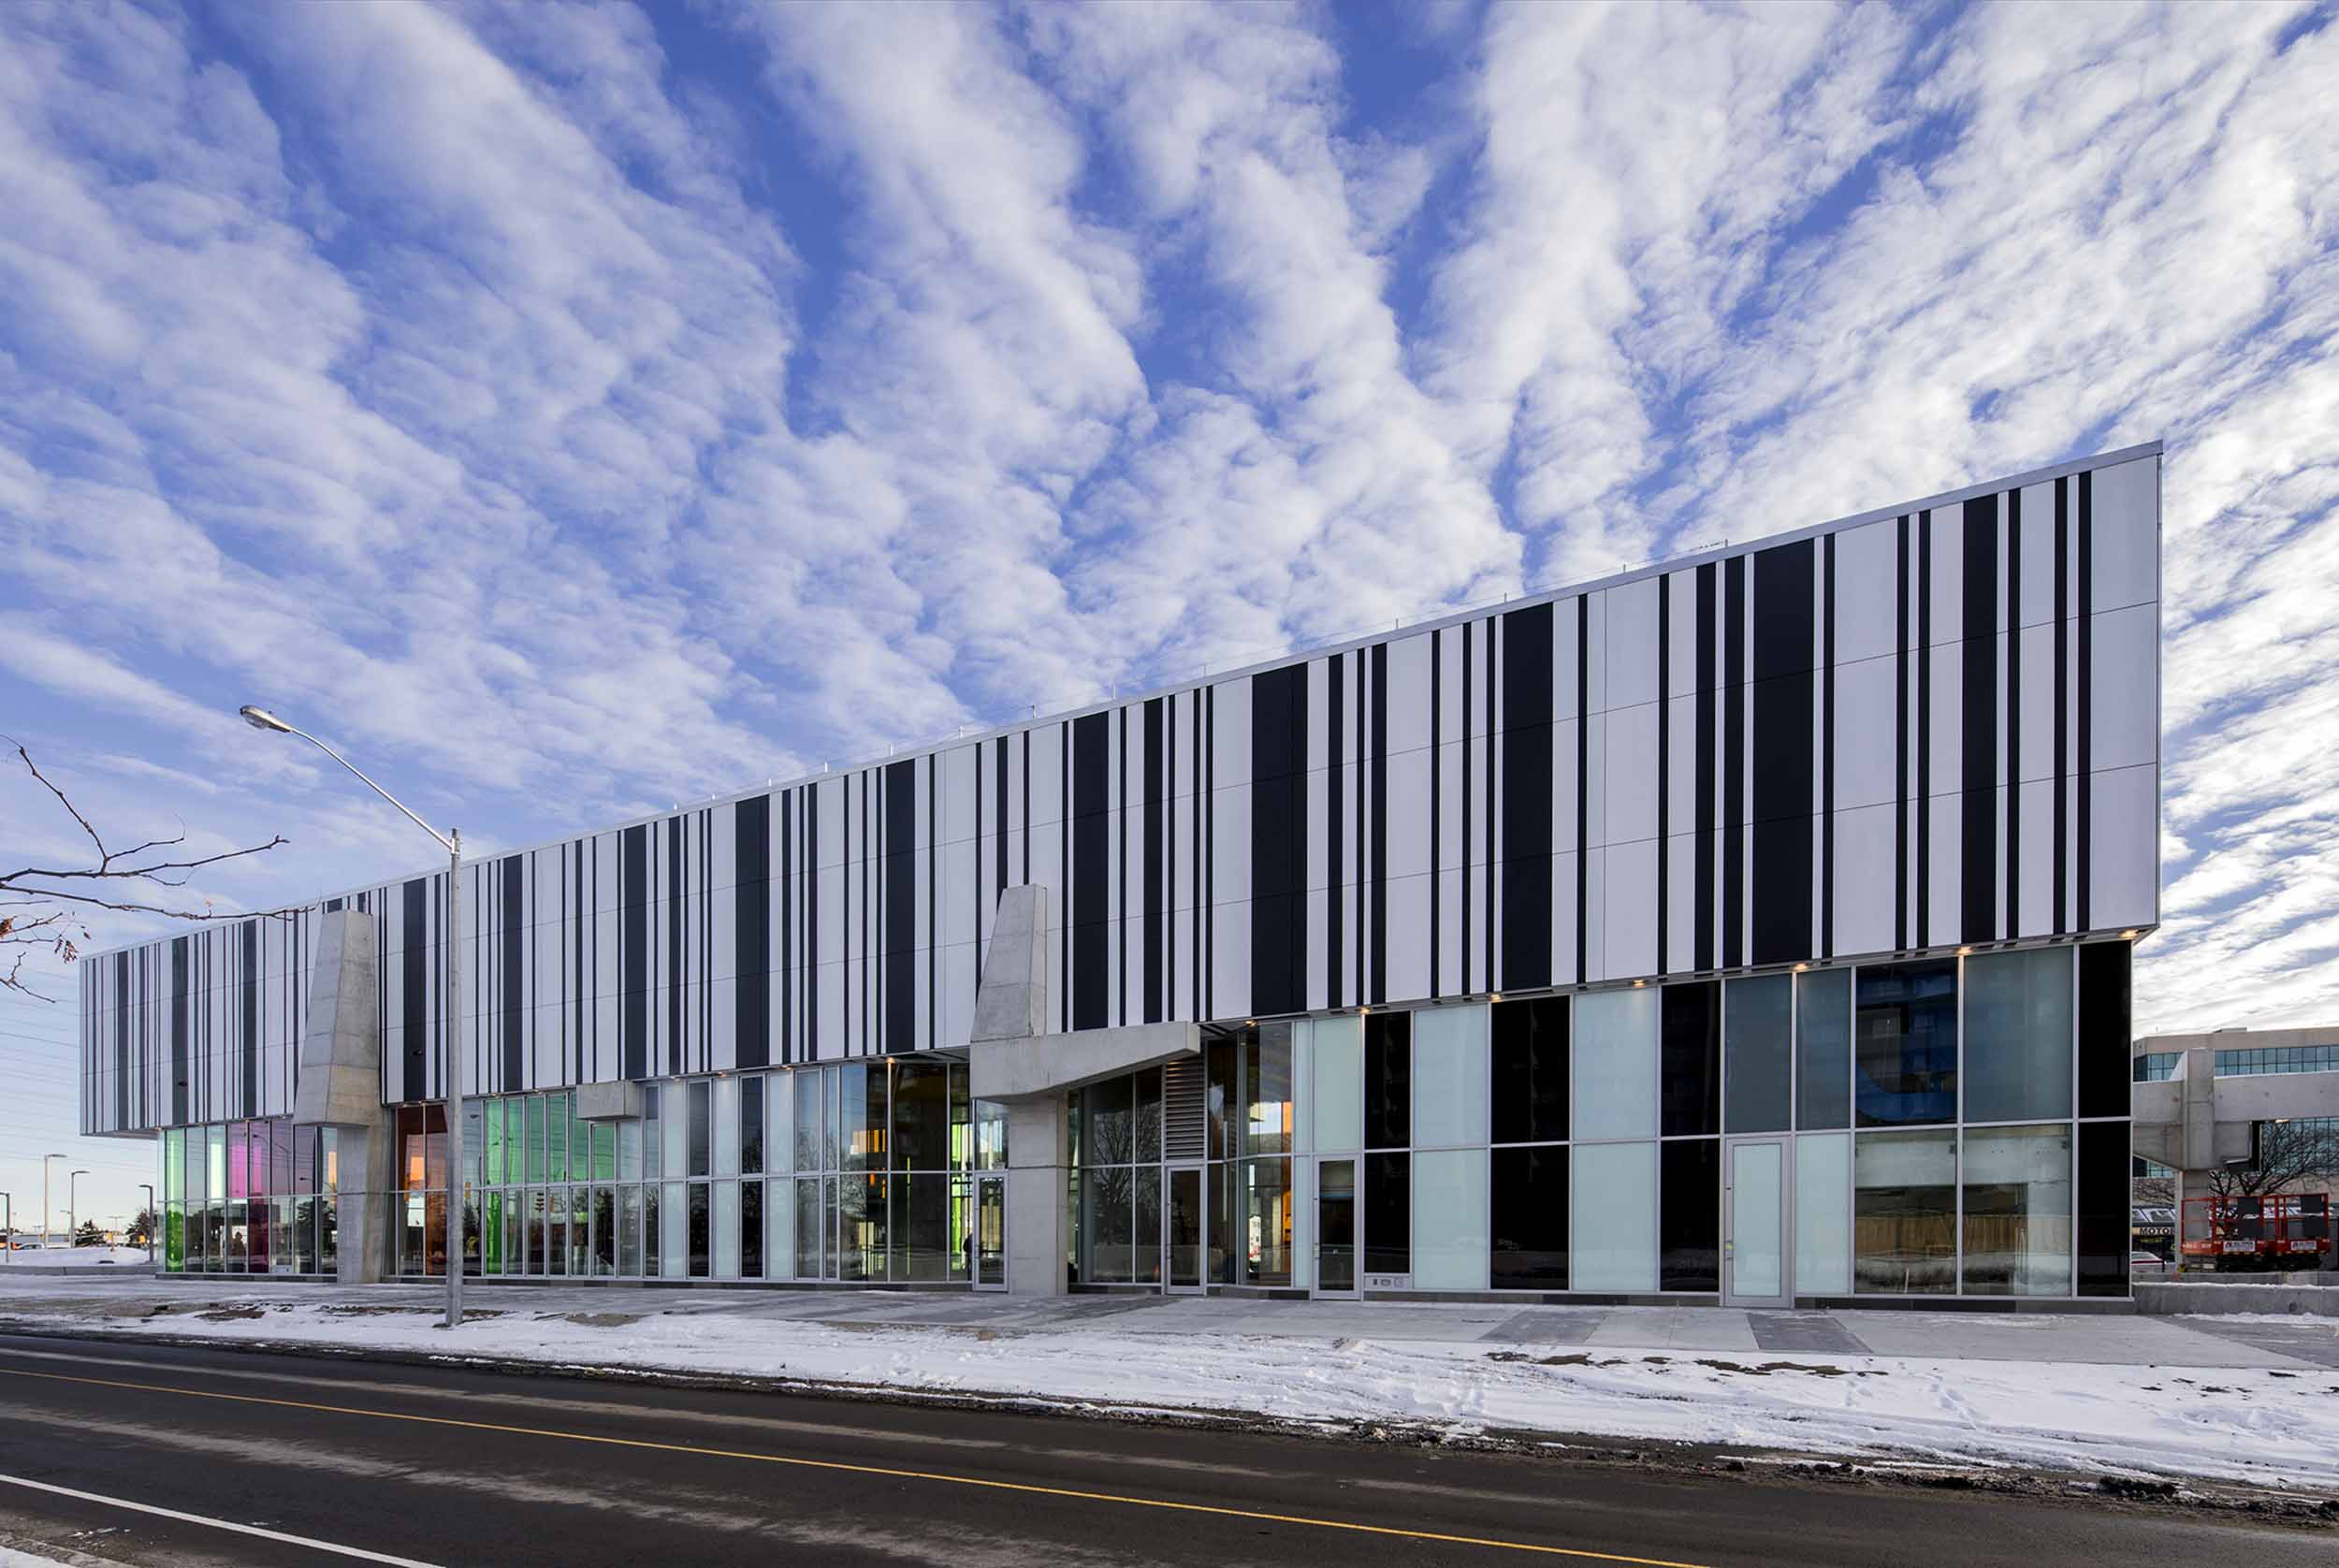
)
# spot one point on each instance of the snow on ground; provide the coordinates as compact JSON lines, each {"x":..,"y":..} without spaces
{"x":2247,"y":1424}
{"x":64,"y":1257}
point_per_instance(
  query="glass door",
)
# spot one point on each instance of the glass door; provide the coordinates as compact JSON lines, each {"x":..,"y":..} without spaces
{"x":990,"y":1233}
{"x":1181,"y":1228}
{"x":1754,"y":1250}
{"x":1336,"y":1228}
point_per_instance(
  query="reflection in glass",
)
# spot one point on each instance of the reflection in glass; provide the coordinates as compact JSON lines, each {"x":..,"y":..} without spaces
{"x":1822,"y":1049}
{"x":2018,"y":1036}
{"x":1757,"y":1024}
{"x":1905,"y":1043}
{"x":1266,"y":1222}
{"x":2018,"y":1210}
{"x":1904,"y":1207}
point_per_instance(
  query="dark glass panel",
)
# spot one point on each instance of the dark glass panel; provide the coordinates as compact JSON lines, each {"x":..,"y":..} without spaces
{"x":699,"y":1231}
{"x":1145,"y":1147}
{"x":1530,"y":1076}
{"x":1145,"y":1240}
{"x":1689,"y":1059}
{"x":698,"y":1098}
{"x":2103,"y":1209}
{"x":751,"y":1231}
{"x":1387,"y":1212}
{"x":921,"y":1116}
{"x":1388,"y":1092}
{"x":2103,"y":1032}
{"x":1529,"y":1217}
{"x":1688,"y":1215}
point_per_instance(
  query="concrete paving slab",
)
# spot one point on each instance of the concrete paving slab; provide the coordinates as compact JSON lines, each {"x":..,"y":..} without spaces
{"x":1674,"y":1328}
{"x":1804,"y":1333}
{"x":2046,"y":1337}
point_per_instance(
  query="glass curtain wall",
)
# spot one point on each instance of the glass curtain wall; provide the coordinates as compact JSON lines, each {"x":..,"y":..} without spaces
{"x":243,"y":1197}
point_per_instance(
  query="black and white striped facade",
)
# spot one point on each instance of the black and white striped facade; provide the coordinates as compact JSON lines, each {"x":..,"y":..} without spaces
{"x":1919,"y":729}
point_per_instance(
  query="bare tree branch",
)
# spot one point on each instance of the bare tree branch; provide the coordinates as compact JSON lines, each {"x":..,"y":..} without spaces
{"x":44,"y":915}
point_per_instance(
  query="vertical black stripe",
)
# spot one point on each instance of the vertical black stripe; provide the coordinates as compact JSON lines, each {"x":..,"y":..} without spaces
{"x":1977,"y":849}
{"x":633,"y":948}
{"x":2083,"y":717}
{"x":791,"y":1027}
{"x":2013,"y":713}
{"x":121,"y":967}
{"x":1526,"y":803}
{"x":900,"y":892}
{"x":1437,"y":816}
{"x":1210,"y":853}
{"x":1493,"y":821}
{"x":2061,"y":623}
{"x":515,"y":940}
{"x":933,"y":892}
{"x":1364,"y":833}
{"x":1901,"y":739}
{"x":1335,"y":888}
{"x":1827,"y":753}
{"x":1733,"y":763}
{"x":251,"y":945}
{"x":751,"y":845}
{"x":1924,"y":729}
{"x":1090,"y":777}
{"x":1463,"y":734}
{"x":1200,"y":767}
{"x":675,"y":882}
{"x":1156,"y":860}
{"x":1380,"y":822}
{"x":1120,"y":863}
{"x":1702,"y":957}
{"x":1279,"y":852}
{"x":414,"y":976}
{"x":1665,"y":770}
{"x":1781,"y":699}
{"x":1583,"y":772}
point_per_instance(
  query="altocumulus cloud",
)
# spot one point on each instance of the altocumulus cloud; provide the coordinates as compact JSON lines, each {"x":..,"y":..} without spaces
{"x":580,"y":407}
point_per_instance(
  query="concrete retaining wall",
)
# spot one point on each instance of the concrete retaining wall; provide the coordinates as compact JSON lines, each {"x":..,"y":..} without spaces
{"x":2310,"y":1301}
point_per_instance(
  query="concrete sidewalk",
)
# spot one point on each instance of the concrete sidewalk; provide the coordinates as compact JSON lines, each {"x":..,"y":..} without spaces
{"x":2289,"y":1343}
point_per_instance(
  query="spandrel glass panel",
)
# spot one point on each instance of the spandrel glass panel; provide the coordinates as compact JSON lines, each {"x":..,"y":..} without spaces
{"x":2018,"y":1037}
{"x":1904,"y":1196}
{"x":1612,"y":1229}
{"x":2017,"y":1209}
{"x":1338,"y":1054}
{"x":1449,"y":1218}
{"x":1449,"y":1082}
{"x":1823,"y":1213}
{"x":1615,"y":1051}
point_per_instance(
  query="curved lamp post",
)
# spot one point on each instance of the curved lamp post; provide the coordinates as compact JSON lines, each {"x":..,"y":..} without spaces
{"x":452,"y":842}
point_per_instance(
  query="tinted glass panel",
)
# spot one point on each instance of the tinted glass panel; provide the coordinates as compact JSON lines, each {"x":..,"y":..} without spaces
{"x":1530,"y":1090}
{"x":1108,"y":1122}
{"x":921,"y":1116}
{"x":2018,"y":1036}
{"x":696,"y":1096}
{"x":751,"y":1231}
{"x":1822,"y":1049}
{"x":1757,"y":1028}
{"x":1528,"y":1231}
{"x":1387,"y":1086}
{"x":1906,"y":1040}
{"x":2103,"y":1209}
{"x":750,"y":1127}
{"x":2018,"y":1210}
{"x":1688,"y":1215}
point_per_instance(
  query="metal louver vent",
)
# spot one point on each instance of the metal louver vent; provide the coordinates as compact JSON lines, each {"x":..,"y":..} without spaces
{"x":1183,"y":1131}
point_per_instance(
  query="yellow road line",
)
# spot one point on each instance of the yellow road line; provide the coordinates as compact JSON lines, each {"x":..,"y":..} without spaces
{"x":881,"y":1470}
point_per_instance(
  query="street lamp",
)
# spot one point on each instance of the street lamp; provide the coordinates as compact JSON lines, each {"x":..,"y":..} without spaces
{"x":452,"y":842}
{"x":73,"y":1207}
{"x":153,"y":1221}
{"x":45,"y":1230}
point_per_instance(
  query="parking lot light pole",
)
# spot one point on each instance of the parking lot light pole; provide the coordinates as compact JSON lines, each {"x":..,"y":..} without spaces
{"x":45,"y":1229}
{"x":154,"y":1221}
{"x":73,"y":1208}
{"x":452,"y":842}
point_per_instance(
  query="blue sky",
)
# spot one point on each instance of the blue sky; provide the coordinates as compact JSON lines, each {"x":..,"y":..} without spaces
{"x":578,"y":409}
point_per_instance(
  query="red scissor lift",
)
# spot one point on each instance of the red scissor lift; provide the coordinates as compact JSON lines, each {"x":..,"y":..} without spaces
{"x":2257,"y":1233}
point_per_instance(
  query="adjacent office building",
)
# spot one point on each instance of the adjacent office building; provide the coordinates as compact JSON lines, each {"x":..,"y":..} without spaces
{"x":1753,"y":926}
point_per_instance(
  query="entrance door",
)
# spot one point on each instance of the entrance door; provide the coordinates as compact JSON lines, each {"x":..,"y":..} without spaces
{"x":1755,"y":1255}
{"x":1336,"y":1228}
{"x":990,"y":1233}
{"x":1181,"y":1228}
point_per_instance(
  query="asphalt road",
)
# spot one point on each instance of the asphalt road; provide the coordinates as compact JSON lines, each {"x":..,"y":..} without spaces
{"x":349,"y":1461}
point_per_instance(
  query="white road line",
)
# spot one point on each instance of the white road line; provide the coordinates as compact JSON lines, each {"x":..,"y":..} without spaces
{"x":337,"y":1550}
